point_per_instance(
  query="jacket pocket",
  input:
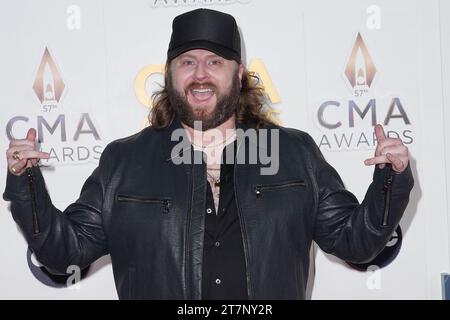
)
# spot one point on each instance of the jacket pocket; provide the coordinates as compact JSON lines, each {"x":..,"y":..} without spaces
{"x":259,"y":189}
{"x":165,"y":203}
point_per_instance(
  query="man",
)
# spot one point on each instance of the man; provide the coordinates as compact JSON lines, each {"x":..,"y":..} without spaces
{"x":218,"y":228}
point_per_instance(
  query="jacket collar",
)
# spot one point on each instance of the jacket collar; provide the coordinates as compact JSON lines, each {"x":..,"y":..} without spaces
{"x":170,"y":142}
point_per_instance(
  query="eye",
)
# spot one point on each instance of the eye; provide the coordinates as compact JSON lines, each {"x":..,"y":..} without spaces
{"x":215,"y":62}
{"x":187,"y":62}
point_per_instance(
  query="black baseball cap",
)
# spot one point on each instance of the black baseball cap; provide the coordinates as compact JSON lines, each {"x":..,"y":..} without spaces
{"x":205,"y":29}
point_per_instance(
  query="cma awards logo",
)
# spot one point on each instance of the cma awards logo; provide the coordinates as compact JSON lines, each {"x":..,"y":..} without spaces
{"x":154,"y":73}
{"x":69,"y":140}
{"x":347,"y":124}
{"x":360,"y":70}
{"x":70,"y":280}
{"x":48,"y":86}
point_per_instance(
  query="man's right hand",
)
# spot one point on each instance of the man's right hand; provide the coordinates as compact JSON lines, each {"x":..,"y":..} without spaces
{"x":22,"y":153}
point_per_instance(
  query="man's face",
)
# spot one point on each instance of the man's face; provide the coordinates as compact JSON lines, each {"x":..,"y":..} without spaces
{"x":205,"y":87}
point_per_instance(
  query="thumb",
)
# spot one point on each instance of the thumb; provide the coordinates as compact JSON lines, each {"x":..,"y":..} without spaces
{"x":31,"y":134}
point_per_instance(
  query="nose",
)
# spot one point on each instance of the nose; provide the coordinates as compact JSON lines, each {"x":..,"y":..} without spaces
{"x":200,"y":72}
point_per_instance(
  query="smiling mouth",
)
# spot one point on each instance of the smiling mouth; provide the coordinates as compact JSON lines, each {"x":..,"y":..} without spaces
{"x":201,"y":94}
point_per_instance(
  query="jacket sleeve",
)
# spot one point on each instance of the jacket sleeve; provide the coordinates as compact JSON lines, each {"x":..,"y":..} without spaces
{"x":351,"y":231}
{"x":60,"y":239}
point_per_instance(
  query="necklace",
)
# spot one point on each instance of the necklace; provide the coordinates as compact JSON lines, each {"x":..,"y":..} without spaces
{"x":216,"y":181}
{"x":215,"y":145}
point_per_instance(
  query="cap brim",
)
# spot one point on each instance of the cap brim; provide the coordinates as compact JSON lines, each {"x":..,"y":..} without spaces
{"x":206,"y":45}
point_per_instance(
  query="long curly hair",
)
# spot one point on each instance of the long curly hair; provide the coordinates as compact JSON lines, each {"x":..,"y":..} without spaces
{"x":250,"y":110}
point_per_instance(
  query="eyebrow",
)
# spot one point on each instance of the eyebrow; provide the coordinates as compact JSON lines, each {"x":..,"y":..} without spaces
{"x":209,"y":55}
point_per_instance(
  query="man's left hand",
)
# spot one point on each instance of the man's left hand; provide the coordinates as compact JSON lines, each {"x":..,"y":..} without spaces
{"x":389,"y":150}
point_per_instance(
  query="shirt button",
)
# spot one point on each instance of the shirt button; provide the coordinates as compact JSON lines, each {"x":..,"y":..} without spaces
{"x":218,"y":281}
{"x":209,"y":210}
{"x":217,"y":244}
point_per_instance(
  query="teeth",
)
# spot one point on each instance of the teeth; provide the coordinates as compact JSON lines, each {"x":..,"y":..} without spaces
{"x":201,"y":90}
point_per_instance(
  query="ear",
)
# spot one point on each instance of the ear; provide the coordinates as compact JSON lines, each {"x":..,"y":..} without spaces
{"x":241,"y":71}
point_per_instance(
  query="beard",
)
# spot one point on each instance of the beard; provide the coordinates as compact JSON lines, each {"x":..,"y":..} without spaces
{"x":225,"y":107}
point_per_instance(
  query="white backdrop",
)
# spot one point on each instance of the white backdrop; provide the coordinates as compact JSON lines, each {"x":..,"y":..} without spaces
{"x":98,"y":48}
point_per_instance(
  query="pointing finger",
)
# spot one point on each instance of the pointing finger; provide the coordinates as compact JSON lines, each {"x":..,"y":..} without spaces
{"x":31,"y":134}
{"x":379,"y":133}
{"x":32,"y":154}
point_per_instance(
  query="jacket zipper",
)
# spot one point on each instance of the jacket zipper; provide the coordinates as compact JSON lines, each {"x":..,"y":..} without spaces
{"x":387,"y":197}
{"x":188,"y":234}
{"x":166,"y":203}
{"x":36,"y":229}
{"x":258,"y":189}
{"x":244,"y":236}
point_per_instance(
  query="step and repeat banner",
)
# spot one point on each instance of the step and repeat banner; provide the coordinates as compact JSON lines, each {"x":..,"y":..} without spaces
{"x":82,"y":73}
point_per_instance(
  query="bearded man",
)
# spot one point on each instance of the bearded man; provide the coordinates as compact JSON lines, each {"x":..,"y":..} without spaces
{"x":218,"y":228}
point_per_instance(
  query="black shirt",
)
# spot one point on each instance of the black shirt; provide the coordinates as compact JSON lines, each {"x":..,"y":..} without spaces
{"x":224,"y":270}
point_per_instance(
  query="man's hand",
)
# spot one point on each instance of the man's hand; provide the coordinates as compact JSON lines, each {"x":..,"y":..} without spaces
{"x":22,"y":153}
{"x":389,"y":150}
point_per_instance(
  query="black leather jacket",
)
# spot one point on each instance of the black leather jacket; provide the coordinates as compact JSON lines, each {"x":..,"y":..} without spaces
{"x":148,"y":214}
